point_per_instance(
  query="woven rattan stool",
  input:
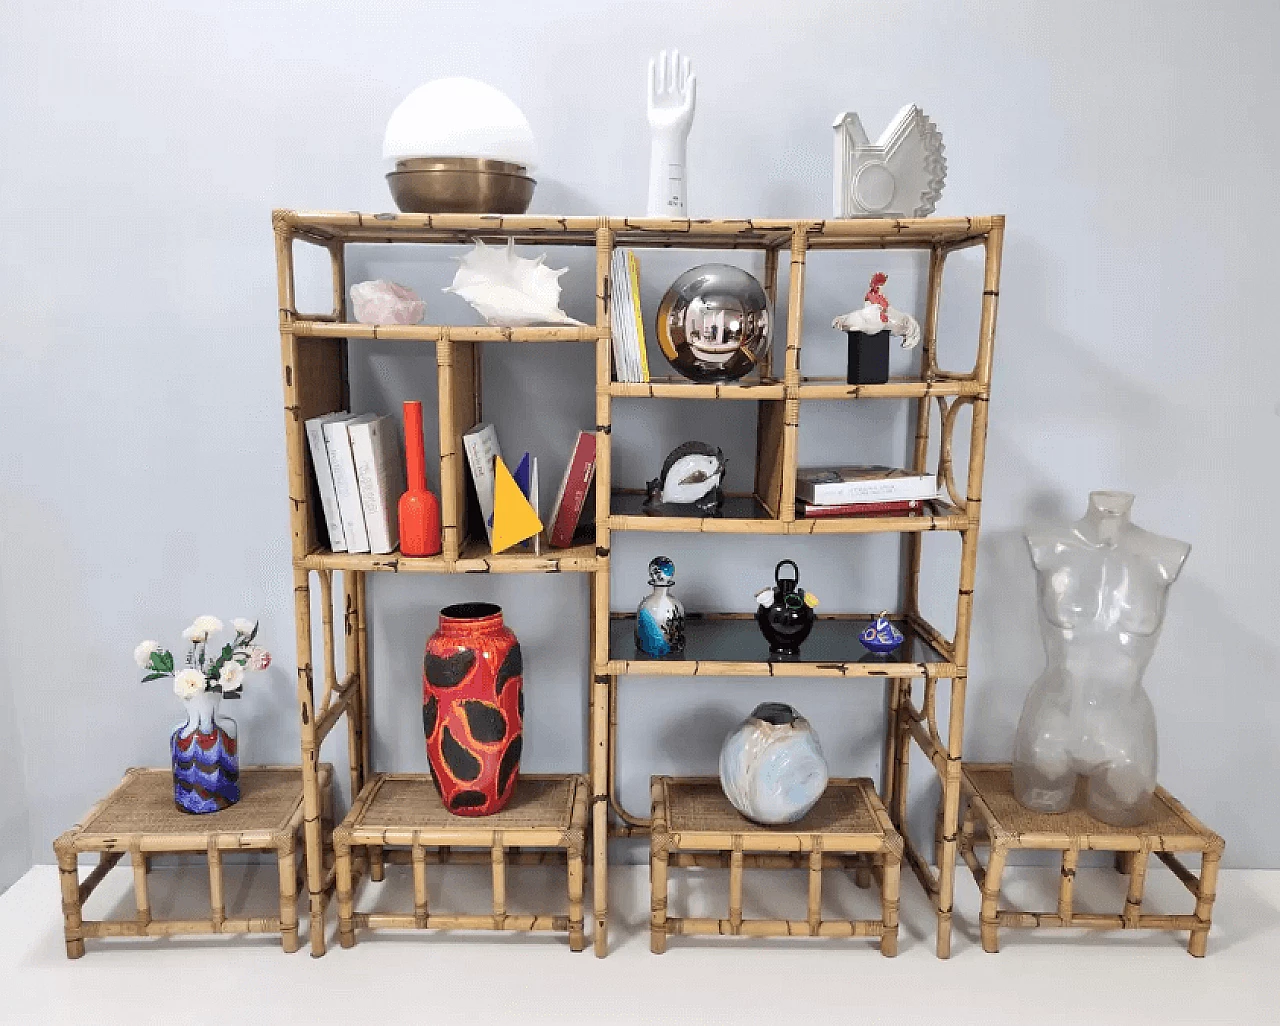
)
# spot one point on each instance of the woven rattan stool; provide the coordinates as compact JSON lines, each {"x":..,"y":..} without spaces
{"x":993,"y":817}
{"x":694,"y":825}
{"x":546,"y":819}
{"x":139,"y":818}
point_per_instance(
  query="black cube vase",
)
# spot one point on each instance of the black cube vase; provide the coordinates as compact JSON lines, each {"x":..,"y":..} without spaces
{"x":868,"y":357}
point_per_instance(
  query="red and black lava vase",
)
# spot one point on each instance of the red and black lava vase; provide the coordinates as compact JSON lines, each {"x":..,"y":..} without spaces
{"x":473,"y":708}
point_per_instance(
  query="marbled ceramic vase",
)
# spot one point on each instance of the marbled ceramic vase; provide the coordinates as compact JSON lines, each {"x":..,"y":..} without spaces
{"x":772,"y":768}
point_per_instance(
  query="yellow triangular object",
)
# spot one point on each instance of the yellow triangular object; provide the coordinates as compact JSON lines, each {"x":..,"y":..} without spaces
{"x":513,"y":518}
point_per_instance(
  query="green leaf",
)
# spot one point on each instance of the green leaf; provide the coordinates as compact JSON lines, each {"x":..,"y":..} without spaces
{"x":167,"y":660}
{"x":153,"y":676}
{"x":156,"y":662}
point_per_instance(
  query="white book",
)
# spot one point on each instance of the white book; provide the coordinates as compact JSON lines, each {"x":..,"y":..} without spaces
{"x":337,"y":440}
{"x":481,"y":443}
{"x":380,"y":475}
{"x":324,"y":479}
{"x":831,"y":486}
{"x":620,"y":307}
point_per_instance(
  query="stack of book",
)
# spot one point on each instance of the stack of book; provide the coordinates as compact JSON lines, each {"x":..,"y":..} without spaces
{"x":864,"y":490}
{"x":361,"y":477}
{"x":522,"y":510}
{"x":626,"y":321}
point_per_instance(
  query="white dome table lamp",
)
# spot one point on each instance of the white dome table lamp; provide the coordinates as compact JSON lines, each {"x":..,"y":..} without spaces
{"x":460,"y":147}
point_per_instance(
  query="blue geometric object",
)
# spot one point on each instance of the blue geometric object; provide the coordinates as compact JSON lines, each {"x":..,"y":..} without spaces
{"x":522,"y":476}
{"x":881,"y":635}
{"x":649,"y":636}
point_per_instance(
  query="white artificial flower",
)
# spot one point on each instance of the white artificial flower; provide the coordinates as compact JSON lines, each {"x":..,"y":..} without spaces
{"x":201,"y":628}
{"x":143,"y":653}
{"x":188,"y":683}
{"x":231,"y":676}
{"x":259,"y":658}
{"x":243,"y":626}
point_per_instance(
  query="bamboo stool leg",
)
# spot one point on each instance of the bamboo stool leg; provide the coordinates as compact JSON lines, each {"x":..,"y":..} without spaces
{"x":890,"y":888}
{"x":1137,"y":884}
{"x":989,"y":923}
{"x":377,"y":865}
{"x":342,"y":880}
{"x":1204,"y":904}
{"x":421,"y":905}
{"x":72,"y":923}
{"x":139,"y":862}
{"x":1066,"y":886}
{"x":286,"y":862}
{"x":573,"y":863}
{"x":658,"y":854}
{"x":217,"y":902}
{"x":735,"y":887}
{"x":498,"y":858}
{"x":815,"y":886}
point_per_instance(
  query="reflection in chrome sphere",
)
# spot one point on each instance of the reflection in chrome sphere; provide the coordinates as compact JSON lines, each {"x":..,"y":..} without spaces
{"x":714,"y":323}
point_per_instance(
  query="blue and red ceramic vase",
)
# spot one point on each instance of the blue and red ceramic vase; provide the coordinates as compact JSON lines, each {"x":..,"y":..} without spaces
{"x":473,"y":708}
{"x":206,"y":757}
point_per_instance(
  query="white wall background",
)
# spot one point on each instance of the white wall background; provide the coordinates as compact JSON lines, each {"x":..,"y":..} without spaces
{"x":1131,"y":146}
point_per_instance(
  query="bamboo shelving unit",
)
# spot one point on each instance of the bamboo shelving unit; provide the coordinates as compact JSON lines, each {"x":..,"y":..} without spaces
{"x":314,"y":350}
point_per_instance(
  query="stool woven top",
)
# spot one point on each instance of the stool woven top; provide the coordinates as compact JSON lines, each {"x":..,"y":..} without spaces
{"x":410,"y":800}
{"x":1172,"y":824}
{"x":848,"y":817}
{"x":142,"y":804}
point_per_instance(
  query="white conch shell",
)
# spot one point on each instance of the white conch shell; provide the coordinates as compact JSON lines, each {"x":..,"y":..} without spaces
{"x":901,"y":174}
{"x":510,"y":291}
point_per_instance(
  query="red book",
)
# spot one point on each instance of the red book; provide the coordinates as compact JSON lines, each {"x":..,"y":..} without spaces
{"x":567,"y":510}
{"x":853,"y":509}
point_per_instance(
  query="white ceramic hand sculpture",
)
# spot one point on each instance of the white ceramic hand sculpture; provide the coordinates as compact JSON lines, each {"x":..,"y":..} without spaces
{"x":1103,"y":583}
{"x":673,"y":91}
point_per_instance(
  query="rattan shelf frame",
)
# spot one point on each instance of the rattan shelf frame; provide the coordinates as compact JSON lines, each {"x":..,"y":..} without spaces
{"x":314,"y":349}
{"x":139,"y":819}
{"x":993,"y":818}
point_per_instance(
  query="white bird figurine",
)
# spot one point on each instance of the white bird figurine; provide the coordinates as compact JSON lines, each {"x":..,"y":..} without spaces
{"x":901,"y":174}
{"x":877,"y":315}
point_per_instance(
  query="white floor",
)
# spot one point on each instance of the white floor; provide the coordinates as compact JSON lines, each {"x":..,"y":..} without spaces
{"x":1041,"y":976}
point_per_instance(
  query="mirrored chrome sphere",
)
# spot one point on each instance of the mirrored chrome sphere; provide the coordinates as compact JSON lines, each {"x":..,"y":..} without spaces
{"x":714,"y":323}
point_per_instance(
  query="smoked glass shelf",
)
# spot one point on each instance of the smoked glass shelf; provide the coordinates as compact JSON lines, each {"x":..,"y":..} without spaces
{"x":731,"y":645}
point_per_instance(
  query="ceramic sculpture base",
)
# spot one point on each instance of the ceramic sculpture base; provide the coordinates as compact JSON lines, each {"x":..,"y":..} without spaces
{"x":868,"y":358}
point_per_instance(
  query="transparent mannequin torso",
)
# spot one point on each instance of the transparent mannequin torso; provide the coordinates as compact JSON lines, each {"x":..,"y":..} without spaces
{"x":1102,"y":585}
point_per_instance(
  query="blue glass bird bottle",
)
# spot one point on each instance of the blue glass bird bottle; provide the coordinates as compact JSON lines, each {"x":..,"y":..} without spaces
{"x":660,"y":618}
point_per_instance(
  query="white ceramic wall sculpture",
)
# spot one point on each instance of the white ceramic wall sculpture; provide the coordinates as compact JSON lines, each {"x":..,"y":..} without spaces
{"x":673,"y":94}
{"x":459,"y":117}
{"x":772,"y":768}
{"x":510,"y":291}
{"x":901,"y":174}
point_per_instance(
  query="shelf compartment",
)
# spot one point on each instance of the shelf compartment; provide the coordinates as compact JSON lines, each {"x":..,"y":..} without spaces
{"x":682,"y":388}
{"x":731,"y":645}
{"x":312,"y":328}
{"x":740,"y":514}
{"x":324,"y":227}
{"x":475,"y":558}
{"x":692,"y":817}
{"x":934,"y":516}
{"x":896,"y":388}
{"x":403,"y":810}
